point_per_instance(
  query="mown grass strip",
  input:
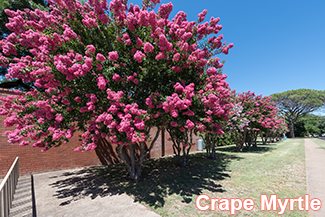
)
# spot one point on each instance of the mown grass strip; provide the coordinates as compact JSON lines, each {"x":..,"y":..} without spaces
{"x":319,"y":142}
{"x":171,"y":190}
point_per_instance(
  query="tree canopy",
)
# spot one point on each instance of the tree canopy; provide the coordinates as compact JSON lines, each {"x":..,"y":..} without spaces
{"x":295,"y":104}
{"x":310,"y":124}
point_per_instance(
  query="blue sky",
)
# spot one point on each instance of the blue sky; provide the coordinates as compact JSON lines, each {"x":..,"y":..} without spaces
{"x":279,"y":45}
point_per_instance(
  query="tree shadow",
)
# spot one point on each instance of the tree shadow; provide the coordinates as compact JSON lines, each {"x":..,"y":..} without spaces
{"x":80,"y":184}
{"x":162,"y":177}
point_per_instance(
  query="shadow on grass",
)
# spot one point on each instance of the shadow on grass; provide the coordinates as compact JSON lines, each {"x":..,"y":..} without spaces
{"x":162,"y":177}
{"x":259,"y":149}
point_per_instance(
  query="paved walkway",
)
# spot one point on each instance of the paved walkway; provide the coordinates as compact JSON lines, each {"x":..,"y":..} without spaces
{"x":80,"y":193}
{"x":315,"y":166}
{"x":70,"y":193}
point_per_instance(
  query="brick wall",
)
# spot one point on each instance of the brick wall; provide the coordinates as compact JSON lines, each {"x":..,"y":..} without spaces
{"x":32,"y":160}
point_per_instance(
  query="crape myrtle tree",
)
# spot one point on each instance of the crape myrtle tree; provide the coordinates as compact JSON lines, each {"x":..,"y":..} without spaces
{"x":279,"y":129}
{"x":264,"y":118}
{"x":216,"y":106}
{"x":295,"y":104}
{"x":112,"y":72}
{"x":251,"y":115}
{"x":238,"y":126}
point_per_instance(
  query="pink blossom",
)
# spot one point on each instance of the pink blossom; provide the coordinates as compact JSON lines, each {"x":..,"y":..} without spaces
{"x":90,"y":49}
{"x":113,"y":55}
{"x":139,"y":42}
{"x":116,"y":77}
{"x":165,"y":10}
{"x":173,"y":124}
{"x":179,"y":88}
{"x":177,"y":68}
{"x":69,"y":134}
{"x":139,"y":123}
{"x":212,"y":71}
{"x":130,"y":78}
{"x":58,"y":118}
{"x":174,"y":113}
{"x":65,"y":101}
{"x":148,"y":48}
{"x":156,"y":115}
{"x":189,"y":113}
{"x":202,"y":15}
{"x":201,"y":127}
{"x":160,"y":56}
{"x":225,"y":50}
{"x":176,"y":57}
{"x":99,"y":66}
{"x":138,"y":56}
{"x":100,"y":57}
{"x":189,"y":124}
{"x":83,"y":109}
{"x":24,"y":143}
{"x":101,"y":82}
{"x":12,"y":38}
{"x":77,"y":99}
{"x":91,"y":107}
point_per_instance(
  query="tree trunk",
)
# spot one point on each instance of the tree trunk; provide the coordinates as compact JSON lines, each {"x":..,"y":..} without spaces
{"x":292,"y":133}
{"x":264,"y":137}
{"x":210,"y":143}
{"x":240,"y":140}
{"x":249,"y":140}
{"x":132,"y":160}
{"x":255,"y":140}
{"x":178,"y":146}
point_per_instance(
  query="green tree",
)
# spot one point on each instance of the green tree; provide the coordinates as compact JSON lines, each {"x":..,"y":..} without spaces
{"x":295,"y":104}
{"x":309,"y":124}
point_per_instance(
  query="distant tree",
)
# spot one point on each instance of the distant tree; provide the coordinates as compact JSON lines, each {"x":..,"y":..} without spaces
{"x":295,"y":104}
{"x":309,"y":124}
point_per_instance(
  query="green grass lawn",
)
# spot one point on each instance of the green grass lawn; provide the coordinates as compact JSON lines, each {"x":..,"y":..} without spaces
{"x":319,"y":142}
{"x":171,"y":190}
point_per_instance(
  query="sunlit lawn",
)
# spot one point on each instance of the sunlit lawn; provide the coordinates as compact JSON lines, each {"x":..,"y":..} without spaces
{"x":170,"y":190}
{"x":319,"y":142}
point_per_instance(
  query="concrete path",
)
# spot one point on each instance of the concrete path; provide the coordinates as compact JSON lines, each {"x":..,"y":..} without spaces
{"x":315,"y":166}
{"x":79,"y":193}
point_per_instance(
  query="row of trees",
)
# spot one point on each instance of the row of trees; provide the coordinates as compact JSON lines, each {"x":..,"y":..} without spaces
{"x":114,"y":72}
{"x":250,"y":116}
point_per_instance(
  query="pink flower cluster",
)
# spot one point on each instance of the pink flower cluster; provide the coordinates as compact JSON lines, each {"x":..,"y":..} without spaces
{"x":138,"y":56}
